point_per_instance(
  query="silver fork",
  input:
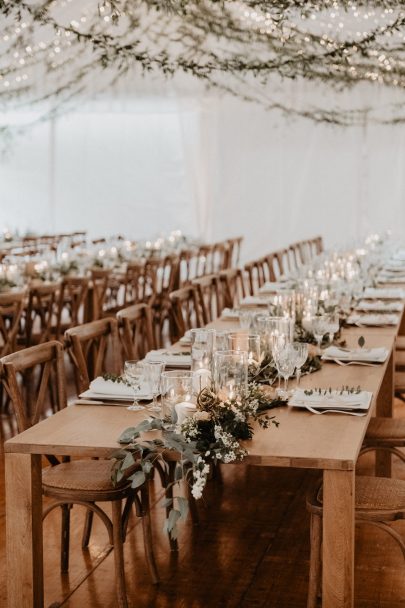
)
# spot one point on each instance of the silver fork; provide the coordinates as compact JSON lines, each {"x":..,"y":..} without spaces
{"x":313,"y":411}
{"x":345,"y":363}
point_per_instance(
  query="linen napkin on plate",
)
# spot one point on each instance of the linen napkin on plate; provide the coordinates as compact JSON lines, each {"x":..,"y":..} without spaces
{"x":379,"y":306}
{"x":274,"y":287}
{"x":170,"y":358}
{"x":230,"y":313}
{"x":384,"y":294}
{"x":378,"y":355}
{"x":254,"y":301}
{"x":108,"y":387}
{"x":372,"y":320}
{"x":334,"y":400}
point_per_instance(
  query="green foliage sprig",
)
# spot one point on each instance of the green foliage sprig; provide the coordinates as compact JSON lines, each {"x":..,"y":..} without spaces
{"x":213,"y":433}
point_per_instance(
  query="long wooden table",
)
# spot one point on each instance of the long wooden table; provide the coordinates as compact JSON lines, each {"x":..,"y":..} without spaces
{"x":330,"y":443}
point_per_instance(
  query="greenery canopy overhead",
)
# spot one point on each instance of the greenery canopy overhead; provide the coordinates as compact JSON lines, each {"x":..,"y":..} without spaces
{"x":55,"y":50}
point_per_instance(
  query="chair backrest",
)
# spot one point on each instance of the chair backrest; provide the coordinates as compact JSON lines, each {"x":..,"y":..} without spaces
{"x":42,"y":313}
{"x":99,"y":278}
{"x":185,"y":311}
{"x":208,"y":293}
{"x":256,"y":275}
{"x":283,"y":260}
{"x":72,"y":302}
{"x":42,"y":370}
{"x":136,"y":331}
{"x":273,"y":266}
{"x":134,"y":283}
{"x":94,"y":350}
{"x":232,"y":287}
{"x":11,"y":307}
{"x":233,"y":254}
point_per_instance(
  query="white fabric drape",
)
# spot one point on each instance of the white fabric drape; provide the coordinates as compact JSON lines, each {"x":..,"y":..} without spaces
{"x":212,"y":167}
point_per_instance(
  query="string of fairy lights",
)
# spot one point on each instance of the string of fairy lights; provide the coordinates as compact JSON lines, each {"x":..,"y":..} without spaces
{"x":51,"y":50}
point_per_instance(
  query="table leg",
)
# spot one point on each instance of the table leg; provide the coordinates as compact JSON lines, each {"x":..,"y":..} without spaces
{"x":25,"y":588}
{"x":338,"y":539}
{"x":385,"y":402}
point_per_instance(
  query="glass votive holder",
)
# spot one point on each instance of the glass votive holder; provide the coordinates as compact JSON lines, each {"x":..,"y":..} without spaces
{"x":230,"y":374}
{"x":246,"y":342}
{"x":282,"y":304}
{"x":281,"y":326}
{"x":202,"y":348}
{"x":221,"y":339}
{"x":177,"y":395}
{"x":246,"y":318}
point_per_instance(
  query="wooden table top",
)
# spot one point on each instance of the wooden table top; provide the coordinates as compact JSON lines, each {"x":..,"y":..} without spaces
{"x":302,"y":440}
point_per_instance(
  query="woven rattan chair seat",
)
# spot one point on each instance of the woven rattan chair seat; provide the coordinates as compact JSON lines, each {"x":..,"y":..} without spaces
{"x":84,"y":475}
{"x":376,"y":494}
{"x":386,"y":430}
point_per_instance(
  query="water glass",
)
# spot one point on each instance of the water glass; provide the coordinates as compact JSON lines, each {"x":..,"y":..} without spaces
{"x":301,"y":355}
{"x":285,"y":361}
{"x":249,"y":343}
{"x":230,"y":374}
{"x":246,"y":318}
{"x":177,"y":395}
{"x":153,"y":372}
{"x":283,"y":304}
{"x":319,"y":327}
{"x":333,"y":325}
{"x":134,"y":375}
{"x":202,"y":348}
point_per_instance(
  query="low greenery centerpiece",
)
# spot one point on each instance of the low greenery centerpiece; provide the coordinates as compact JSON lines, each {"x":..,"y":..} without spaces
{"x":213,"y":433}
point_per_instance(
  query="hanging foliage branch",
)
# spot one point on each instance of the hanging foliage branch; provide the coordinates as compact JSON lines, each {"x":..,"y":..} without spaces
{"x":52,"y":50}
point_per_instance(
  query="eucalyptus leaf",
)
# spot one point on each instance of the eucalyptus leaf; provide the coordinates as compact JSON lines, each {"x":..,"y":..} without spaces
{"x":137,"y":479}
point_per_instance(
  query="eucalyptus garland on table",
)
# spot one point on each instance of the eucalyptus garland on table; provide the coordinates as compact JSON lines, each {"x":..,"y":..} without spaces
{"x":214,"y":433}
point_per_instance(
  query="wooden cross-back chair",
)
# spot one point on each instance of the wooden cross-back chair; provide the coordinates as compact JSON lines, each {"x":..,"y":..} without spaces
{"x":232,"y":287}
{"x":100,"y":278}
{"x":294,"y":256}
{"x":256,"y":275}
{"x":134,"y":283}
{"x":72,"y":303}
{"x":82,"y":482}
{"x":219,"y":254}
{"x":94,"y":349}
{"x":204,"y":260}
{"x":209,"y":297}
{"x":272,"y":266}
{"x":41,"y":318}
{"x":233,"y":253}
{"x":185,"y":311}
{"x":11,"y":307}
{"x":283,"y":261}
{"x":136,"y":331}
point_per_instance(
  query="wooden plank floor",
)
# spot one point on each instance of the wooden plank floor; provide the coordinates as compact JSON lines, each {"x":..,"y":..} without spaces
{"x":250,"y":550}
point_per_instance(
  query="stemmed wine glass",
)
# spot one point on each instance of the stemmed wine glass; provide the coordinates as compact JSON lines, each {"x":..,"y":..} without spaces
{"x":333,"y":325}
{"x":301,"y":355}
{"x":153,"y":372}
{"x":319,"y":328}
{"x":133,"y":375}
{"x":286,"y":363}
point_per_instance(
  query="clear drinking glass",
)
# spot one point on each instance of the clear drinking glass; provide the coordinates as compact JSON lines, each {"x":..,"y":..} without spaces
{"x":246,"y":342}
{"x":230,"y":374}
{"x":176,"y":395}
{"x":153,"y":372}
{"x":283,"y":304}
{"x":286,"y":363}
{"x":134,"y":375}
{"x":333,"y":325}
{"x":202,"y":348}
{"x":319,"y":328}
{"x":246,"y":319}
{"x":301,"y":355}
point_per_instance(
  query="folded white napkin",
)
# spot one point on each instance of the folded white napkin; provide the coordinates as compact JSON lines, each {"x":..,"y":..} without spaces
{"x":274,"y":287}
{"x":379,"y":306}
{"x":172,"y":359}
{"x":384,"y":294}
{"x":186,"y":339}
{"x":230,"y":313}
{"x":390,"y":280}
{"x":254,"y":301}
{"x":373,"y":320}
{"x":378,"y":355}
{"x":333,"y":400}
{"x":108,"y":387}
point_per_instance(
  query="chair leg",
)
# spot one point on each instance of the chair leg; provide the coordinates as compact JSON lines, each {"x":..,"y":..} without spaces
{"x":147,"y":534}
{"x":119,"y":554}
{"x":314,"y":560}
{"x":65,"y":538}
{"x":88,"y":524}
